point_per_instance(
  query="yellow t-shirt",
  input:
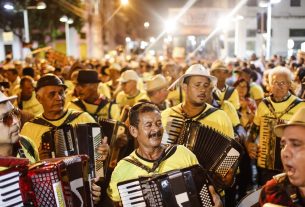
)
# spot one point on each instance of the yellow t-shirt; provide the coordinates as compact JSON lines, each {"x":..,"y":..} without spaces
{"x":124,"y":170}
{"x":123,"y":99}
{"x":228,"y":107}
{"x":31,"y":158}
{"x":176,"y":96}
{"x":279,"y":108}
{"x":102,"y":113}
{"x":256,"y":91}
{"x":217,"y":120}
{"x":234,"y":98}
{"x":104,"y":90}
{"x":35,"y":131}
{"x":32,"y":106}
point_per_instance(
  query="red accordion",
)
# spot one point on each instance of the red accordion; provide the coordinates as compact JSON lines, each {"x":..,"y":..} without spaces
{"x":53,"y":182}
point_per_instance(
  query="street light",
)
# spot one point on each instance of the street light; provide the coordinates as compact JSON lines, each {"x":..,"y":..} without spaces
{"x":268,"y":4}
{"x":40,"y":5}
{"x":8,"y":6}
{"x":67,"y":21}
{"x":124,"y":2}
{"x":146,"y":25}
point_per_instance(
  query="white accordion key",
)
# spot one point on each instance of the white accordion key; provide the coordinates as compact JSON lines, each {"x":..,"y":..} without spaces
{"x":10,"y":190}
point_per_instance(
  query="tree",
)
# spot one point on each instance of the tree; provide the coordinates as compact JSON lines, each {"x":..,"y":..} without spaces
{"x":44,"y":25}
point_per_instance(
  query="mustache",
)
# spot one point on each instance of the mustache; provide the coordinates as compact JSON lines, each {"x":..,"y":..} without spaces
{"x":155,"y":134}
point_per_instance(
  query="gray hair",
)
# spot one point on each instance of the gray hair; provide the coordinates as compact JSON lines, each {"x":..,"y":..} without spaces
{"x":280,"y":70}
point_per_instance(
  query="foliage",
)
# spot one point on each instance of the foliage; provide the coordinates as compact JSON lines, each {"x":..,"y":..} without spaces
{"x":44,"y":25}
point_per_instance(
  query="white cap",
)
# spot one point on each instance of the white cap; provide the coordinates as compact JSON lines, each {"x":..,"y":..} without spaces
{"x":194,"y":70}
{"x":128,"y":75}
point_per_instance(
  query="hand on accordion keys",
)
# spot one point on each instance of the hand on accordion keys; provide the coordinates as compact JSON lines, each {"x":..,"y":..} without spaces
{"x":226,"y":181}
{"x":215,"y":197}
{"x":43,"y":153}
{"x":103,"y":149}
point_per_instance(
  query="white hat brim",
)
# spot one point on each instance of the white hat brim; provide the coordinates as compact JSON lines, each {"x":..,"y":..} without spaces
{"x":180,"y":80}
{"x":10,"y":98}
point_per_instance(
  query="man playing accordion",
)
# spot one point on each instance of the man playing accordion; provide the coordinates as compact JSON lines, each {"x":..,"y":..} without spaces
{"x":274,"y":109}
{"x":151,"y":157}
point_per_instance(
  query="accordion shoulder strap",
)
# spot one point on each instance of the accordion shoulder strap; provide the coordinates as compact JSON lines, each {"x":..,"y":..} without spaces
{"x":41,"y":121}
{"x":27,"y":145}
{"x":167,"y":153}
{"x":206,"y":113}
{"x":272,"y":110}
{"x":101,"y":105}
{"x":228,"y":93}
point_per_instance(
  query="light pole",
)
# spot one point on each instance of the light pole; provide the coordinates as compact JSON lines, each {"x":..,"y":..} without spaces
{"x":67,"y":21}
{"x":40,"y":5}
{"x":268,"y":4}
{"x":237,"y":20}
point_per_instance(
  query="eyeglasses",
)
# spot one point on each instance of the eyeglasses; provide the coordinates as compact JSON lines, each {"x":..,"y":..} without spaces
{"x":200,"y":86}
{"x":8,"y":117}
{"x":280,"y":83}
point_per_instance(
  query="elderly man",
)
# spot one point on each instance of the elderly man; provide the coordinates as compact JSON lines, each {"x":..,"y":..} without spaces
{"x":277,"y":108}
{"x":288,"y":189}
{"x":130,"y":94}
{"x":50,"y":92}
{"x":97,"y":105}
{"x":149,"y":157}
{"x":156,"y":89}
{"x":196,"y":83}
{"x":11,"y":143}
{"x":224,"y":92}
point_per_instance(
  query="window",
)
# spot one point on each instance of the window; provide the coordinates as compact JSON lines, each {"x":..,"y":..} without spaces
{"x":251,"y":33}
{"x":297,"y":44}
{"x":295,"y":3}
{"x":297,"y":32}
{"x":252,"y":3}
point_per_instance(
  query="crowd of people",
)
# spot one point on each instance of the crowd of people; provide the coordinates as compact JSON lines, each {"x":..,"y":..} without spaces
{"x":250,"y":101}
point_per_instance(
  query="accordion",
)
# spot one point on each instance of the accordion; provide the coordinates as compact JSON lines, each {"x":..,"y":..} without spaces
{"x":270,"y":156}
{"x":185,"y":187}
{"x":112,"y":129}
{"x":61,"y":182}
{"x":214,"y":151}
{"x":13,"y":182}
{"x":70,"y":140}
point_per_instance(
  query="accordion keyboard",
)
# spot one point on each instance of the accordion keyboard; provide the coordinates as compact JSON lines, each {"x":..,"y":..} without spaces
{"x":264,"y":142}
{"x":131,"y":194}
{"x":10,"y":191}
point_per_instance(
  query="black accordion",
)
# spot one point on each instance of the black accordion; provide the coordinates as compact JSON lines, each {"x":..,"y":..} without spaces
{"x":112,"y":129}
{"x":70,"y":140}
{"x":185,"y":187}
{"x":215,"y":152}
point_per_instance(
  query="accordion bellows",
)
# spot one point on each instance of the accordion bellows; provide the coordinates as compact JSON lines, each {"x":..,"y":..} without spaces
{"x":215,"y":152}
